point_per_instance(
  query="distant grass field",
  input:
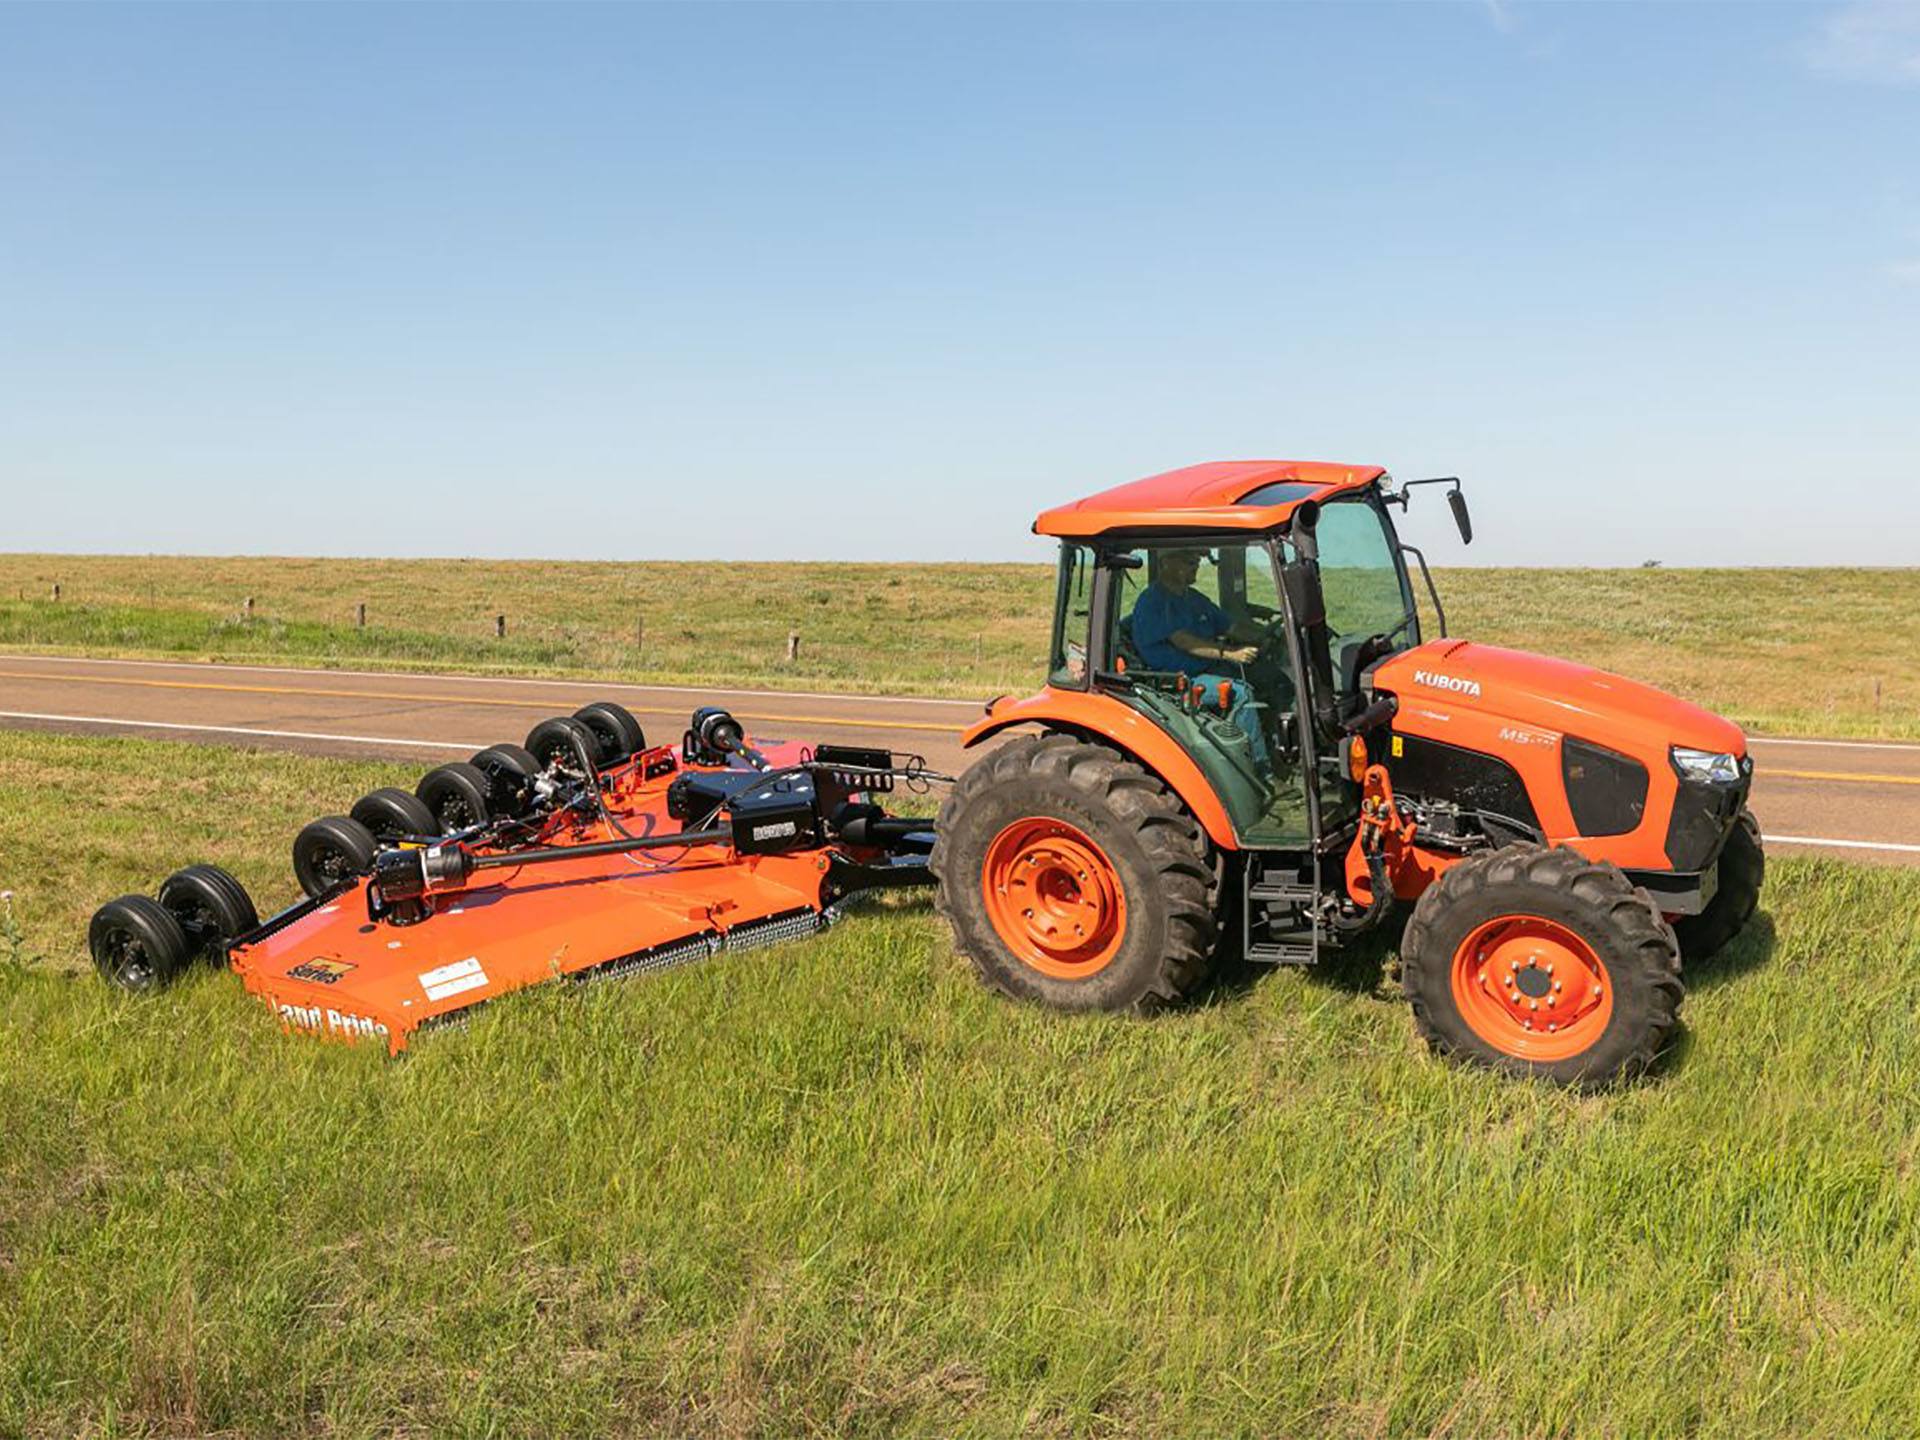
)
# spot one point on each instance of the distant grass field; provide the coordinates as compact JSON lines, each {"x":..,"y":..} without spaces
{"x":1827,"y":652}
{"x":836,"y":1188}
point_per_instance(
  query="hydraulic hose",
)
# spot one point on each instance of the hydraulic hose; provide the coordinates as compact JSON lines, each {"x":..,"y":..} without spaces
{"x":1382,"y":903}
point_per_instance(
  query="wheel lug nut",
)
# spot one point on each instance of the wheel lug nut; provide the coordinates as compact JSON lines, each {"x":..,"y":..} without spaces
{"x":1552,"y":1028}
{"x":1533,"y":1004}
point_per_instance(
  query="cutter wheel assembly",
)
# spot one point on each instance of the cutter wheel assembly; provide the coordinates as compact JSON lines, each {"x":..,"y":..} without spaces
{"x":581,"y":854}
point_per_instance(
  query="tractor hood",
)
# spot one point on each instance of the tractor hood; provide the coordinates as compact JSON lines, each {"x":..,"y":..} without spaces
{"x":1558,"y":695}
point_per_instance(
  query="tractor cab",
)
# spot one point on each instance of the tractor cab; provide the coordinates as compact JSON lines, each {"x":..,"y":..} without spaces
{"x":1238,"y":623}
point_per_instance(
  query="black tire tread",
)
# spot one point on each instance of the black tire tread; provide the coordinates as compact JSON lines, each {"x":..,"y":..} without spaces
{"x":1614,"y":901}
{"x":631,"y":738}
{"x":1743,"y":870}
{"x":338,"y":832}
{"x":398,"y":813}
{"x":187,"y":893}
{"x":459,"y":778}
{"x":159,"y":931}
{"x":548,"y":741}
{"x":1176,"y":845}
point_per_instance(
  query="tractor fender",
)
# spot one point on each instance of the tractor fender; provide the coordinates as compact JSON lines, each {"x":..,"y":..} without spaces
{"x":1102,"y":717}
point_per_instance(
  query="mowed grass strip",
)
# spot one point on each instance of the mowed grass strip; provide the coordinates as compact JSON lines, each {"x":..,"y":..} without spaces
{"x":1804,"y":652}
{"x":837,"y":1188}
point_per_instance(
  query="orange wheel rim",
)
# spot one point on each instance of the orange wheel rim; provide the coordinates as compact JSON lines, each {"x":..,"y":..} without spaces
{"x":1532,"y":988}
{"x":1054,"y":898}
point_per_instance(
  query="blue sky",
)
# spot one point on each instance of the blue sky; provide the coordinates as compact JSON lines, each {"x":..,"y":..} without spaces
{"x":884,"y":281}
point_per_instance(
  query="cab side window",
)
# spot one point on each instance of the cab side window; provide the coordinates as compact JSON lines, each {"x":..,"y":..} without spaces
{"x":1073,"y":607}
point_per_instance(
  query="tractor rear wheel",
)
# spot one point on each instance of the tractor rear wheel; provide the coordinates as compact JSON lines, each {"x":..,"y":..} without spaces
{"x":1542,"y":963}
{"x":1075,"y":877}
{"x":1742,"y":869}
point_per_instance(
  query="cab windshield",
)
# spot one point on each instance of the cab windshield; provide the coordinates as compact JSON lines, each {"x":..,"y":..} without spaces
{"x":1365,"y":585}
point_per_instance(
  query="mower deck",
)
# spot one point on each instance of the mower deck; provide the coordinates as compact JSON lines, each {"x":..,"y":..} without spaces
{"x":329,"y":967}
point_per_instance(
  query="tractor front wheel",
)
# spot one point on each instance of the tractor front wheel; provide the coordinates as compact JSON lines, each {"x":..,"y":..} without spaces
{"x":1542,"y":963}
{"x":1742,"y":869}
{"x":1073,"y":876}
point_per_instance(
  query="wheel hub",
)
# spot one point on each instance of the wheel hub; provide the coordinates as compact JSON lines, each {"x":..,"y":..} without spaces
{"x":1532,"y":988}
{"x":1054,"y":897}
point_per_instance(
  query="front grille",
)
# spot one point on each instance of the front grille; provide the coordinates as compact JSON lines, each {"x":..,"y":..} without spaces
{"x":1606,"y":791}
{"x":1702,"y":815}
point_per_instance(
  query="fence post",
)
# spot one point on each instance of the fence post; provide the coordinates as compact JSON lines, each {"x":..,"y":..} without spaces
{"x":639,"y":636}
{"x":499,"y":627}
{"x":249,"y":609}
{"x":56,"y":590}
{"x":793,"y":645}
{"x":360,"y":615}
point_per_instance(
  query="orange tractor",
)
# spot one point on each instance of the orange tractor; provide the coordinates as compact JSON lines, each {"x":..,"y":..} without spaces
{"x":1246,"y":749}
{"x":1246,"y":746}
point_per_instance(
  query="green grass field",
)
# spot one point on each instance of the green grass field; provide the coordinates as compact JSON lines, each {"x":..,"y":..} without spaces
{"x":1820,"y":652}
{"x":836,"y":1188}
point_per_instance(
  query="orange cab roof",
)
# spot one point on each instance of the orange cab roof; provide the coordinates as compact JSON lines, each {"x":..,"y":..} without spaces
{"x":1205,"y":497}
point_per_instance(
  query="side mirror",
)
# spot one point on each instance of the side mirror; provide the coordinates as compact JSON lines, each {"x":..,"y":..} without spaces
{"x":1457,"y":501}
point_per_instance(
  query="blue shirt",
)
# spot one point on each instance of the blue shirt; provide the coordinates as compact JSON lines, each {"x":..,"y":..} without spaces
{"x":1157,"y":614}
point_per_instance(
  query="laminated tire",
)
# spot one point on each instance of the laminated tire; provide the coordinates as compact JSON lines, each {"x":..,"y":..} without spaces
{"x":510,"y":771}
{"x":393,"y":815}
{"x":619,"y":733}
{"x":137,"y":944}
{"x":333,"y":851}
{"x":459,"y":795}
{"x":553,"y":741}
{"x":211,"y":907}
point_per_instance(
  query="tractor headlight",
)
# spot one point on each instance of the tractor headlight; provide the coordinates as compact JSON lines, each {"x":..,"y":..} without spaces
{"x":1706,"y":767}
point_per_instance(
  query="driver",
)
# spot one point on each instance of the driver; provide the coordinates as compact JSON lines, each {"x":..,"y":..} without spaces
{"x":1174,"y":627}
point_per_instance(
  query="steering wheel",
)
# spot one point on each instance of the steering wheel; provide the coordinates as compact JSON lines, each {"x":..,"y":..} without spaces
{"x":1273,"y":657}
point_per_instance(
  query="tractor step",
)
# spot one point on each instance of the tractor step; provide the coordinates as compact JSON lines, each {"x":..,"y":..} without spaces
{"x":1281,"y":954}
{"x":1283,"y":892}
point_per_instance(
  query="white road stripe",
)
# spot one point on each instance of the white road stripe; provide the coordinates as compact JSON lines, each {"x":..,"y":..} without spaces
{"x":571,"y":681}
{"x":1909,"y":747}
{"x":242,"y":730}
{"x":1843,"y":844}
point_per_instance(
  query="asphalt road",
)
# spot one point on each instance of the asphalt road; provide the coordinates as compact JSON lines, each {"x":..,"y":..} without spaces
{"x":1852,"y":798}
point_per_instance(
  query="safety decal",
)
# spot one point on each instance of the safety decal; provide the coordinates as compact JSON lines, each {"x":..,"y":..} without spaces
{"x":452,"y":979}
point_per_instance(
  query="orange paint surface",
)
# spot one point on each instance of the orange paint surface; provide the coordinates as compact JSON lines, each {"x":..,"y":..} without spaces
{"x":1202,"y":497}
{"x":1128,"y":729}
